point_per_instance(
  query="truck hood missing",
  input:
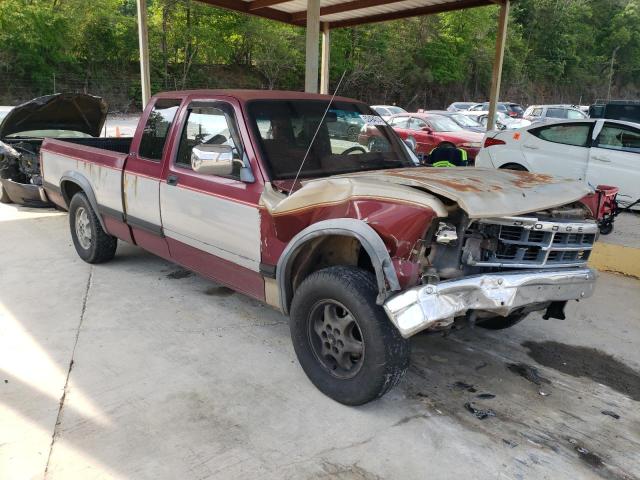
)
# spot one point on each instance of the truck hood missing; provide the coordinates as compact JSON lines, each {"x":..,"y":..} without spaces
{"x":480,"y":192}
{"x":76,"y":112}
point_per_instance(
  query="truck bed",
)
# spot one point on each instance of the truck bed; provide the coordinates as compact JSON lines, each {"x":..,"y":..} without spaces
{"x":102,"y":167}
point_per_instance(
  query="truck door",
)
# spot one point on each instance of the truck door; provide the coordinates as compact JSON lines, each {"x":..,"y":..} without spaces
{"x":141,"y":178}
{"x":212,"y":220}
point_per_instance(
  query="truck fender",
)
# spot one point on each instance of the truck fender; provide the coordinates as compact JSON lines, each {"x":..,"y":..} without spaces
{"x":368,"y":238}
{"x":82,"y":182}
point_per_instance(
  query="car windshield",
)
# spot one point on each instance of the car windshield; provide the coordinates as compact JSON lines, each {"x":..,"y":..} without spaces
{"x":465,"y":121}
{"x":286,"y":128}
{"x":440,"y":123}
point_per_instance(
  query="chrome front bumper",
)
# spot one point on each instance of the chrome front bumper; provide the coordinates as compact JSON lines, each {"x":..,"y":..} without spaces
{"x":422,"y":307}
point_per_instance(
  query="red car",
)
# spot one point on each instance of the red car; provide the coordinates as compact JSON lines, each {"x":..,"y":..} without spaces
{"x":426,"y":131}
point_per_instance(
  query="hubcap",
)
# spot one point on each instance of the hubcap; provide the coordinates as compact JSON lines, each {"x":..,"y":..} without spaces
{"x":336,"y":339}
{"x":83,"y":229}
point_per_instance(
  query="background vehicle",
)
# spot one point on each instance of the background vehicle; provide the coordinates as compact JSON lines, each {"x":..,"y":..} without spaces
{"x":594,"y":151}
{"x":385,"y":111}
{"x":513,"y":110}
{"x":503,"y":121}
{"x":458,"y":106}
{"x":465,"y":121}
{"x":626,"y":110}
{"x":347,"y":125}
{"x":353,"y":248}
{"x":76,"y":117}
{"x":423,"y":132}
{"x":545,"y":113}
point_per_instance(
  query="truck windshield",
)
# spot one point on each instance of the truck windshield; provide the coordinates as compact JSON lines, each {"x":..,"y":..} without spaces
{"x":351,"y":138}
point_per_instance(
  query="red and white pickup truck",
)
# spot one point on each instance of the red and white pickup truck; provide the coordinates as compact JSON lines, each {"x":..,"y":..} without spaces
{"x":363,"y":251}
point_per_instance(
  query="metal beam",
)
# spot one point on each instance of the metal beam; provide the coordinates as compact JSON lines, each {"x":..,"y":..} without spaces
{"x":258,"y":4}
{"x":326,"y":59}
{"x":411,"y":12}
{"x":313,"y":32}
{"x":344,"y":7}
{"x":244,"y":7}
{"x":496,"y":76}
{"x":143,"y":38}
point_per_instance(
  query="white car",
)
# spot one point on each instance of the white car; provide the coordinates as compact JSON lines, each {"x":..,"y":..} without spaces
{"x":503,"y":121}
{"x":597,"y":151}
{"x":386,"y":111}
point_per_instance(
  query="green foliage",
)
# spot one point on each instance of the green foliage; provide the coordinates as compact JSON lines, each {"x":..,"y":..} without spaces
{"x":557,"y":50}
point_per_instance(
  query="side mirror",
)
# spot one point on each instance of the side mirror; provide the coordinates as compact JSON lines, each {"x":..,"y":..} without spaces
{"x":427,"y":130}
{"x":212,"y":159}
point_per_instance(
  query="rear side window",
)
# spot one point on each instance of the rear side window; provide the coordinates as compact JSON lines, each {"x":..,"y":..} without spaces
{"x":154,"y":135}
{"x":575,"y":115}
{"x":556,"y":113}
{"x":567,"y":134}
{"x":619,"y":137}
{"x":537,"y":112}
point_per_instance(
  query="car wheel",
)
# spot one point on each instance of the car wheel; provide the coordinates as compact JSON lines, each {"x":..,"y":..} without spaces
{"x":514,"y":166}
{"x":344,"y":341}
{"x":92,"y":243}
{"x":4,"y":197}
{"x":352,"y":133}
{"x":500,"y":323}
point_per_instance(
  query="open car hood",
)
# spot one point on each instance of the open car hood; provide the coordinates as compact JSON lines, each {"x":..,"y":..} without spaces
{"x":480,"y":192}
{"x":77,"y":112}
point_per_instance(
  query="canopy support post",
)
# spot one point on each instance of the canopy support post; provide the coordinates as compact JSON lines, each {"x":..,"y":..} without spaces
{"x":497,"y":64}
{"x":143,"y":37}
{"x":326,"y":59}
{"x":313,"y":32}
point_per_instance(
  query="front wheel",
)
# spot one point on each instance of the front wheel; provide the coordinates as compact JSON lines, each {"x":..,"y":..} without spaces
{"x":344,"y":341}
{"x":92,"y":243}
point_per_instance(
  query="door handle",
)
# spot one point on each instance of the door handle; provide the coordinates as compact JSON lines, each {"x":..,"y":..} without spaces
{"x":601,"y":159}
{"x":530,"y":147}
{"x":172,"y":180}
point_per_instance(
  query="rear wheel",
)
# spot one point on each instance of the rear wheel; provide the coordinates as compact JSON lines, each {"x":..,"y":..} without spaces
{"x":343,"y":340}
{"x":92,"y":243}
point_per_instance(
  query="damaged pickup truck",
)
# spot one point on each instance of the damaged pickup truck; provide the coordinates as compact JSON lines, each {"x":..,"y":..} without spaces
{"x":362,"y":249}
{"x":72,"y":117}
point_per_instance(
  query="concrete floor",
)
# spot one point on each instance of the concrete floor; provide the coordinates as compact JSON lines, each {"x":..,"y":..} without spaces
{"x":126,"y":371}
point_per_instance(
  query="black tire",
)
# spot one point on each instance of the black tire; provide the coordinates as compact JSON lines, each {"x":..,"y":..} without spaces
{"x":92,"y":243}
{"x":500,"y":323}
{"x":514,"y":166}
{"x":346,"y":296}
{"x":4,"y":197}
{"x":606,"y":228}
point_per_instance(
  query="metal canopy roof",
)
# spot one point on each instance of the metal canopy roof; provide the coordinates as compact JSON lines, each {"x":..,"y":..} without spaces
{"x":346,"y":13}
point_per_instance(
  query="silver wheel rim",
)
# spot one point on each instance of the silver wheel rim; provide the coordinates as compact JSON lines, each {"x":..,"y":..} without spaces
{"x":83,"y":229}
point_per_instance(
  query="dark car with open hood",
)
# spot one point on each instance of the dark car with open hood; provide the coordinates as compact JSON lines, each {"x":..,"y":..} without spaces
{"x":74,"y":117}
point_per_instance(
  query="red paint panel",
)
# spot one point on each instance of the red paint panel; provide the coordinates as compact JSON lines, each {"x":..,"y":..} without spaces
{"x":399,"y":225}
{"x":151,"y":242}
{"x":217,"y":269}
{"x":117,"y":228}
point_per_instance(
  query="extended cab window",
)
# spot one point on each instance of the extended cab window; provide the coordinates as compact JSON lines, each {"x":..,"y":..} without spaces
{"x":618,"y":137}
{"x":567,"y":134}
{"x":209,"y":124}
{"x":155,"y":132}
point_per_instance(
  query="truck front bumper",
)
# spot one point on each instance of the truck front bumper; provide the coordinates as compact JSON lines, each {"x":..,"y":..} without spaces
{"x":422,"y":307}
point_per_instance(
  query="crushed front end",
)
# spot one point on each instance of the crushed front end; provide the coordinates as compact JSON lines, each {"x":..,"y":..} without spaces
{"x":478,"y":269}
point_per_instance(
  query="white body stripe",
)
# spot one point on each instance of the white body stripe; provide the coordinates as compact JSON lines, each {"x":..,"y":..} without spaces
{"x":142,"y":198}
{"x":224,"y":228}
{"x":104,"y":180}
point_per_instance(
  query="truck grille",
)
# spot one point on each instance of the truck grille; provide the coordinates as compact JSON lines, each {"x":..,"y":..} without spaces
{"x":523,"y":242}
